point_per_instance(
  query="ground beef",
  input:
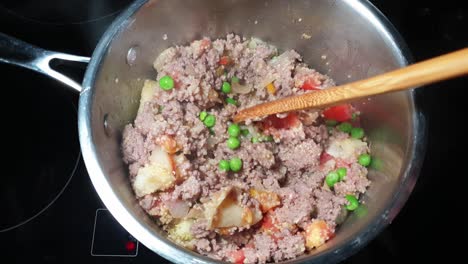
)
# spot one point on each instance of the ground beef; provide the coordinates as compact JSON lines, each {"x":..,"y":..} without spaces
{"x":356,"y":180}
{"x":297,"y":204}
{"x":264,"y":247}
{"x":188,"y":190}
{"x":133,"y":148}
{"x":305,"y":154}
{"x":289,"y":247}
{"x":199,"y":229}
{"x":328,"y":205}
{"x":147,"y":202}
{"x":279,"y":194}
{"x":203,"y":246}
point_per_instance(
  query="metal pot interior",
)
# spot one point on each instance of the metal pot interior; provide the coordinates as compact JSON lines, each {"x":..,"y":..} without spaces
{"x":348,"y":40}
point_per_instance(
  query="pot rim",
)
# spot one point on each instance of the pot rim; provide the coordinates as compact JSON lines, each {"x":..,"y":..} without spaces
{"x":159,"y":244}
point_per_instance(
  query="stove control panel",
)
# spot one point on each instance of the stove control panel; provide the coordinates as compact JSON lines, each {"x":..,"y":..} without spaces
{"x":110,"y":239}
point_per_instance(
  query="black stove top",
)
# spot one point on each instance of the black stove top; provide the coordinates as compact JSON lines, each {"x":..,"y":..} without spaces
{"x":52,"y":214}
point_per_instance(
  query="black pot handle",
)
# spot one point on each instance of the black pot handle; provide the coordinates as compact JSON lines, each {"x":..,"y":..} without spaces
{"x":17,"y":52}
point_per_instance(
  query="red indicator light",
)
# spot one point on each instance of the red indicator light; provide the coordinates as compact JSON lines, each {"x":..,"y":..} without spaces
{"x":130,"y":245}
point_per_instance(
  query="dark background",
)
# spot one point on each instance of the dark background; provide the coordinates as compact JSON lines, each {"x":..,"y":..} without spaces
{"x":431,"y":226}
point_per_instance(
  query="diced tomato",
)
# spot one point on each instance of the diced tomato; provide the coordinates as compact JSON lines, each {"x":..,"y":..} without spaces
{"x":317,"y":233}
{"x":268,"y":225}
{"x":271,"y":228}
{"x":169,"y":144}
{"x":267,"y":200}
{"x":224,"y":60}
{"x":325,"y":157}
{"x":272,"y":121}
{"x":341,"y":164}
{"x":339,"y":113}
{"x":310,"y":85}
{"x":236,"y":256}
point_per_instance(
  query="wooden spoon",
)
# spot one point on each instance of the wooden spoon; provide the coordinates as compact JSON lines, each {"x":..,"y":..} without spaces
{"x":437,"y":69}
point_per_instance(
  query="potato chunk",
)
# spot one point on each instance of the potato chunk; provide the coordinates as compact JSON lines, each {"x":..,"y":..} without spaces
{"x":157,"y":175}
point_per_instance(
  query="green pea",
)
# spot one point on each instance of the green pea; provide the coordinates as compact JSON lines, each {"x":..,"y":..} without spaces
{"x":166,"y":83}
{"x":357,"y":132}
{"x":229,"y":100}
{"x":224,"y":165}
{"x":332,"y":178}
{"x":233,"y":143}
{"x":331,"y":122}
{"x":254,"y":140}
{"x":210,"y":121}
{"x":354,"y":116}
{"x":234,"y":79}
{"x":203,"y":115}
{"x":364,"y":159}
{"x":345,"y":127}
{"x":234,"y":130}
{"x":226,"y":88}
{"x":235,"y":164}
{"x":353,"y":202}
{"x":342,"y":173}
{"x":245,"y":132}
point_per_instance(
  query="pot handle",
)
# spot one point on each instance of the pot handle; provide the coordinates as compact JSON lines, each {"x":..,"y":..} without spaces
{"x":17,"y":52}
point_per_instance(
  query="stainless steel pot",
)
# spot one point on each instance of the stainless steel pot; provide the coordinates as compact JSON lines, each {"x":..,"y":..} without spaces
{"x":347,"y":39}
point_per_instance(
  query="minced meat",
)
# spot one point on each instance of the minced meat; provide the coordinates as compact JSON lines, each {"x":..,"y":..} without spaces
{"x":278,"y":204}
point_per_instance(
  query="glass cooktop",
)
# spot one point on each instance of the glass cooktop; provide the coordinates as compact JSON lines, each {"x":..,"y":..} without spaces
{"x":52,"y":214}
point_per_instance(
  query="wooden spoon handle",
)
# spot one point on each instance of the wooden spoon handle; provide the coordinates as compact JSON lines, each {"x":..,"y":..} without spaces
{"x":437,"y":69}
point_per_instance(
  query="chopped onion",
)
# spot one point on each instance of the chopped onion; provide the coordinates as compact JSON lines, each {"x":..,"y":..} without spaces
{"x":240,"y":89}
{"x":195,"y":212}
{"x":213,"y":95}
{"x":178,"y":208}
{"x":346,"y":149}
{"x":266,"y":81}
{"x":283,"y":59}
